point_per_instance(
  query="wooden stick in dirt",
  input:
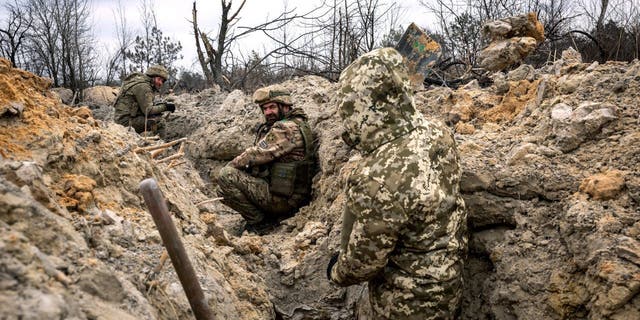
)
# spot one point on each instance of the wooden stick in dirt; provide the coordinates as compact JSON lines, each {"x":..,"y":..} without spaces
{"x":160,"y":146}
{"x":186,"y":273}
{"x":169,"y":158}
{"x":156,"y":153}
{"x":151,"y":138}
{"x":208,"y":201}
{"x":175,"y":164}
{"x":163,"y":259}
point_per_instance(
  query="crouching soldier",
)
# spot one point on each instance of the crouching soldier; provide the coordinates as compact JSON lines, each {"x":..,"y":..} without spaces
{"x":134,"y":106}
{"x":272,"y":178}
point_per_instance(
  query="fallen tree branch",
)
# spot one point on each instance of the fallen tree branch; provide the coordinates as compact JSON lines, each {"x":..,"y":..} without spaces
{"x":169,"y":158}
{"x":155,"y":153}
{"x":163,"y":259}
{"x":150,"y":138}
{"x":208,"y":201}
{"x":175,"y":164}
{"x":160,"y":146}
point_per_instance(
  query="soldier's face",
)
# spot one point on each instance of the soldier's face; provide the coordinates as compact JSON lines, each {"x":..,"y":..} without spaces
{"x":271,"y":112}
{"x":157,"y":82}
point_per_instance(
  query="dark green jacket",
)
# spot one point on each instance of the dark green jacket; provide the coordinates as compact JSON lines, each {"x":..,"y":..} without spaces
{"x":135,"y":99}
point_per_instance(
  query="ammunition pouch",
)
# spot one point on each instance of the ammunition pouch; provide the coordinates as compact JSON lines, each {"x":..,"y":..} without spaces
{"x":288,"y":178}
{"x":261,"y":171}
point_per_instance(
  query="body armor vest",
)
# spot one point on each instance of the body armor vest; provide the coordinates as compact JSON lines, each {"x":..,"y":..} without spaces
{"x":288,"y":178}
{"x":125,"y":110}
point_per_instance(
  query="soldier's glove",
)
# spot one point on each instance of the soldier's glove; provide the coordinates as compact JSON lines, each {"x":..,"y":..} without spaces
{"x":332,"y":262}
{"x":170,"y":106}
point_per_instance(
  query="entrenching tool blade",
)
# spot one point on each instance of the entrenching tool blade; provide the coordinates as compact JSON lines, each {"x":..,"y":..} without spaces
{"x":158,"y":209}
{"x":419,"y":52}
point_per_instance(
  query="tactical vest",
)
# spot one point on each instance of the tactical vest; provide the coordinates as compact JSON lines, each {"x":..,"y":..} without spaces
{"x":123,"y":110}
{"x":288,"y":178}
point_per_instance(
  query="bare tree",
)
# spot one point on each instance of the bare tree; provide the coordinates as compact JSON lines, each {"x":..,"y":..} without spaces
{"x":610,"y":28}
{"x":459,"y":23}
{"x":324,"y":40}
{"x":336,"y":34}
{"x":201,"y":58}
{"x":152,"y":47}
{"x":140,"y":56}
{"x":212,"y":66}
{"x":61,"y":41}
{"x":603,"y":12}
{"x":227,"y":37}
{"x":44,"y":41}
{"x":118,"y":62}
{"x":15,"y":32}
{"x":595,"y":13}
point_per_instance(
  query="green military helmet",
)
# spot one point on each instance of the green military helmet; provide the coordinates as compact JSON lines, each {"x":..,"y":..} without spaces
{"x":273,"y":93}
{"x":157,"y":71}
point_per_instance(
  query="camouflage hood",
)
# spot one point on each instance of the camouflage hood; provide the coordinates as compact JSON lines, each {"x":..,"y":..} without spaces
{"x":375,"y":99}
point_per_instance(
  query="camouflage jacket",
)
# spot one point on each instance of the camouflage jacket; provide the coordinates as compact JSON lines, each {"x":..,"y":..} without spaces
{"x":282,"y":142}
{"x":404,"y":218}
{"x":135,"y":99}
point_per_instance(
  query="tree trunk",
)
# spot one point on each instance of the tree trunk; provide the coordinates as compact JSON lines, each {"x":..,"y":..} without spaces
{"x":203,"y":62}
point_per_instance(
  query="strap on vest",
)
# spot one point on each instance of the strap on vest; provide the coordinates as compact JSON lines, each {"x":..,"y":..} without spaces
{"x":303,"y":126}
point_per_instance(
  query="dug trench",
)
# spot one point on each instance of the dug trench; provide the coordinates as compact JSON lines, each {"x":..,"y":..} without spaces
{"x":551,"y":182}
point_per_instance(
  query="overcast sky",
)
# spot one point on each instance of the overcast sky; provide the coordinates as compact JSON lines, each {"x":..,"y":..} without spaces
{"x":173,"y":19}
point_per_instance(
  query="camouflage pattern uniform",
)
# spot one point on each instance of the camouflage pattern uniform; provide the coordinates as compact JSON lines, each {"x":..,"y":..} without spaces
{"x":404,"y":223}
{"x":135,"y":103}
{"x":246,"y":183}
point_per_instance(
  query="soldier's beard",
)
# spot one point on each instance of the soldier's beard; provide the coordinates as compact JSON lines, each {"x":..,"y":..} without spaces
{"x":272,"y":118}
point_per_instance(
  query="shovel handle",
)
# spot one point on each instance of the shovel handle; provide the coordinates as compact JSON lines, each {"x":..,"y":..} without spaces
{"x":158,"y":209}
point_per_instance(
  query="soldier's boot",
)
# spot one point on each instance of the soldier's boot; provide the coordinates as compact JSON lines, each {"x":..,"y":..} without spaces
{"x":232,"y":187}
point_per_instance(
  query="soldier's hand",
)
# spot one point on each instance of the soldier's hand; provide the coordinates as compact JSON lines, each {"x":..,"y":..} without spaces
{"x":170,"y":106}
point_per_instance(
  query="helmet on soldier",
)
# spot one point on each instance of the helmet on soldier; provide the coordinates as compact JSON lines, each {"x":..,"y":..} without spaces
{"x":157,"y":71}
{"x":273,"y":93}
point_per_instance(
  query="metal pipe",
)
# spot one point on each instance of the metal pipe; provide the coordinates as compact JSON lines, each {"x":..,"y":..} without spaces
{"x":158,"y":209}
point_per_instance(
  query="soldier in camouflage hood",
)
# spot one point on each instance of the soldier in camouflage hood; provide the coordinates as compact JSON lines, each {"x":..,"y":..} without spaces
{"x":273,"y":177}
{"x":134,"y":106}
{"x":404,"y":222}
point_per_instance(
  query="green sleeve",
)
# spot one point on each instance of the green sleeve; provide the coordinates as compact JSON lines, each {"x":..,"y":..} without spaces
{"x":144,"y":98}
{"x":283,"y":138}
{"x":378,"y":219}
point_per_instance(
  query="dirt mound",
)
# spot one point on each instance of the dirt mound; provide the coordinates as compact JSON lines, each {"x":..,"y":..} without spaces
{"x":551,"y":180}
{"x":76,"y":241}
{"x":100,"y":100}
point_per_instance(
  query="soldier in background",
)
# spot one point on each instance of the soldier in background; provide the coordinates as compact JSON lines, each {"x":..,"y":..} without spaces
{"x":404,"y":222}
{"x":134,"y":106}
{"x":272,"y":178}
